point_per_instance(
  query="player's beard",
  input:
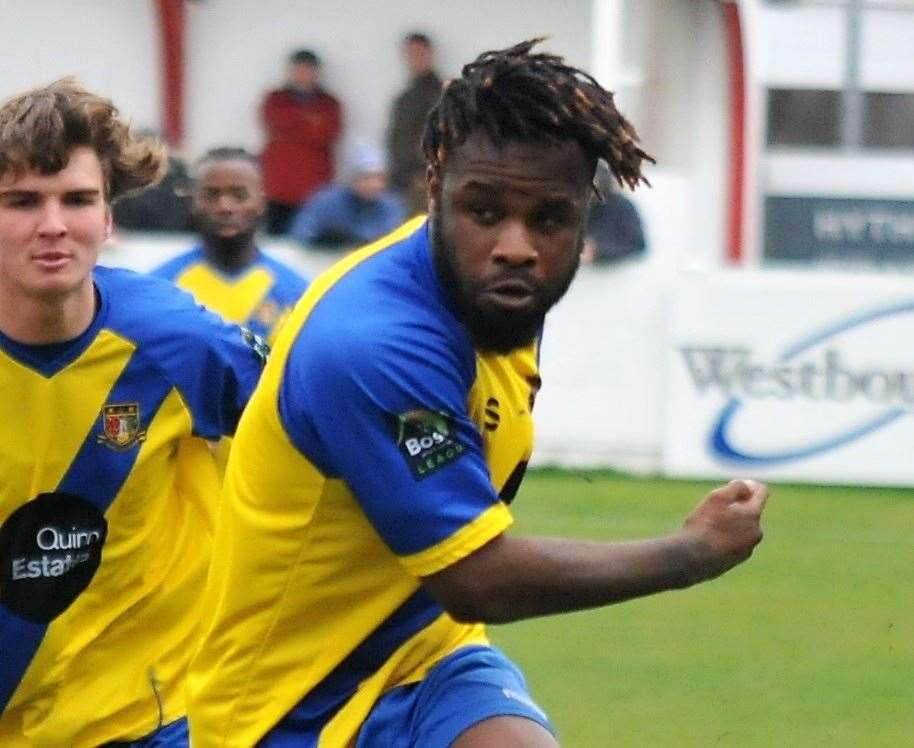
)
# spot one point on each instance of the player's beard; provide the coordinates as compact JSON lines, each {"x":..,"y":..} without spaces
{"x":231,"y":251}
{"x":491,"y":328}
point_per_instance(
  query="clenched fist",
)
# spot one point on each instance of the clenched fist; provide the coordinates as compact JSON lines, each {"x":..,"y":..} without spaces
{"x":724,"y":529}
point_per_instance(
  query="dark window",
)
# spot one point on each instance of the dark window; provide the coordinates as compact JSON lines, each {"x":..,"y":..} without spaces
{"x":888,"y":120}
{"x":803,"y":117}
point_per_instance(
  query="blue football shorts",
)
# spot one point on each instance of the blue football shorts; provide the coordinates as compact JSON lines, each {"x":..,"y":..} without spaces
{"x":465,"y":688}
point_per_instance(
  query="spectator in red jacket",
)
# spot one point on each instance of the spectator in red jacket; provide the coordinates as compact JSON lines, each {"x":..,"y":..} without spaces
{"x":302,"y":123}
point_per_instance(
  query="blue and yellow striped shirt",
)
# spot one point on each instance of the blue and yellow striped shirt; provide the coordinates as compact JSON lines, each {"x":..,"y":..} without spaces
{"x":379,"y":448}
{"x":107,"y":491}
{"x":258,"y":297}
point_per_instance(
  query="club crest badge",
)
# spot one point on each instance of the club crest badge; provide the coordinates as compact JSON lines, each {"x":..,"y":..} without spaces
{"x":121,"y":426}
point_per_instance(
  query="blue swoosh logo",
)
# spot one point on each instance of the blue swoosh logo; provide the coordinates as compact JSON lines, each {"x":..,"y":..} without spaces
{"x":720,"y":442}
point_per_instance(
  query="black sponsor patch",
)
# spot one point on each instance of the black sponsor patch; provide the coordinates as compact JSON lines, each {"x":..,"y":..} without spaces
{"x":50,"y":549}
{"x":427,"y":440}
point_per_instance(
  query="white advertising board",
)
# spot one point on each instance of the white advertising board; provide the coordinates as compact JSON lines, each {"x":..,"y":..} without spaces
{"x":789,"y":376}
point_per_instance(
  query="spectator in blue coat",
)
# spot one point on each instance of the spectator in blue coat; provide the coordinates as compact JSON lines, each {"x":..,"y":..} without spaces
{"x":614,"y":231}
{"x":356,"y":211}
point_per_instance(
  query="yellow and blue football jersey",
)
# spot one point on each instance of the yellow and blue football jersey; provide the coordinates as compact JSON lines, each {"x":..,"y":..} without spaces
{"x":258,"y":297}
{"x":107,"y":491}
{"x":379,"y":448}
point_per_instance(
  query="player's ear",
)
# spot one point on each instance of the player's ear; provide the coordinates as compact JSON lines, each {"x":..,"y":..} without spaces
{"x":109,"y":222}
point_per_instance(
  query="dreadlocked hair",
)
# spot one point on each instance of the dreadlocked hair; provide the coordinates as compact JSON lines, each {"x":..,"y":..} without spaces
{"x":513,"y":94}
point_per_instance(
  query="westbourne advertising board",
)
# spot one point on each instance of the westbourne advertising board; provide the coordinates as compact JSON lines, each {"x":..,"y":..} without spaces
{"x":791,"y":376}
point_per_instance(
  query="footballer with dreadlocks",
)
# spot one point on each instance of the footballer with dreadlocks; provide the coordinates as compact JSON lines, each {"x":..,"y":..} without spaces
{"x":364,"y":538}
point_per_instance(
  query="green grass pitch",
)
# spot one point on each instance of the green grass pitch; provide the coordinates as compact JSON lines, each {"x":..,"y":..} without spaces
{"x":810,"y":643}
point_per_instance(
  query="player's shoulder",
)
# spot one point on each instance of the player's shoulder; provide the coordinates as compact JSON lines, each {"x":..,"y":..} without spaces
{"x":278,"y":96}
{"x":146,"y":308}
{"x":288,"y":282}
{"x":171,"y":269}
{"x":384,"y":312}
{"x":328,"y":99}
{"x":173,"y":334}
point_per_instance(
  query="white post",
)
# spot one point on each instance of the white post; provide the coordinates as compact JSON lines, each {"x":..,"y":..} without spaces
{"x":606,"y":43}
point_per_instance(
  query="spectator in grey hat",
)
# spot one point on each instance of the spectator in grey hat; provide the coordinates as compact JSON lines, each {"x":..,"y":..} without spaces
{"x":357,"y":210}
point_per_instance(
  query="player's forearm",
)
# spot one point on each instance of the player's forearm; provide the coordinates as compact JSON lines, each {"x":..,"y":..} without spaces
{"x":516,"y":578}
{"x":511,"y":578}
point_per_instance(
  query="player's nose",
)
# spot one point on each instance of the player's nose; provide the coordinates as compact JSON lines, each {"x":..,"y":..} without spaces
{"x":514,"y":245}
{"x":51,"y":221}
{"x":225,"y":204}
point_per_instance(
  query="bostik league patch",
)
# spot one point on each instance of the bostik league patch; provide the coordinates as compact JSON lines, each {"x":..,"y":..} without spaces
{"x":427,"y":440}
{"x":50,"y":548}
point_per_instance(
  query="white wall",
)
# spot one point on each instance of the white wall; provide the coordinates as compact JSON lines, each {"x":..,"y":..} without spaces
{"x":709,"y":134}
{"x":683,"y":115}
{"x":801,"y":46}
{"x":237,"y":50}
{"x":805,"y":46}
{"x":887,"y":62}
{"x":110,"y":45}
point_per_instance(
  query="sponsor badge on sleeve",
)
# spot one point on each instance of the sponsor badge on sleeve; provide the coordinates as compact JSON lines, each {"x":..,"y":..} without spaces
{"x":427,"y":440}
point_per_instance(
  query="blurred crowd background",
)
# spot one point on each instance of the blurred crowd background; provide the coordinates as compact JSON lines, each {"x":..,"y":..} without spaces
{"x":783,"y":132}
{"x":811,"y":102}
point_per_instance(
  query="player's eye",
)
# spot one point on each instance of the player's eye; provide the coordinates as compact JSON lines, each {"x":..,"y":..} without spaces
{"x":21,"y":202}
{"x":554,"y":219}
{"x":80,"y":199}
{"x":548,"y":224}
{"x":484,"y":214}
{"x":240,"y":194}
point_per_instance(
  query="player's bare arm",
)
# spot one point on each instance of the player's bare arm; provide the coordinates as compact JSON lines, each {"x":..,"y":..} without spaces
{"x":513,"y":578}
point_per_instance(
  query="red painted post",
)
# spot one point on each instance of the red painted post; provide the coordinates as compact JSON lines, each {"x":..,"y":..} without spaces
{"x":171,"y":38}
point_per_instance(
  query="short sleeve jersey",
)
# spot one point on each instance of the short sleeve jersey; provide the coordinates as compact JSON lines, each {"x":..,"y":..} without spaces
{"x":379,"y":448}
{"x":258,"y":297}
{"x":106,"y":495}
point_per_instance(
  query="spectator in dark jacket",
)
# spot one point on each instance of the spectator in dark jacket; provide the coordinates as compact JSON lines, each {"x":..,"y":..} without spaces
{"x":407,"y":118}
{"x":613,"y":229}
{"x":164,"y":207}
{"x":303,"y":123}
